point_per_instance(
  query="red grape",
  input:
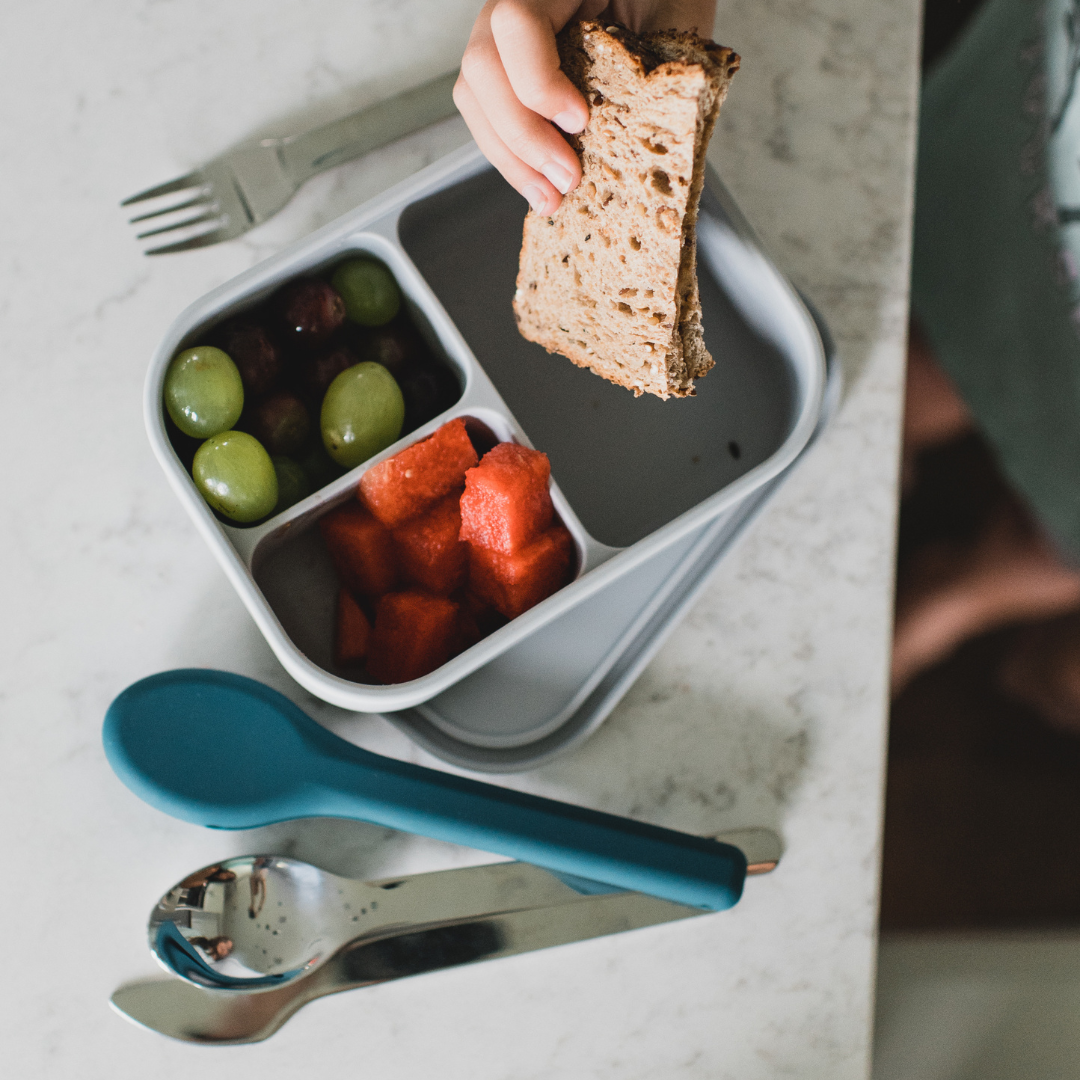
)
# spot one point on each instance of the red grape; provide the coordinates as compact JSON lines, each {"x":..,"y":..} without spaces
{"x":281,"y":423}
{"x":254,"y":353}
{"x":311,"y":311}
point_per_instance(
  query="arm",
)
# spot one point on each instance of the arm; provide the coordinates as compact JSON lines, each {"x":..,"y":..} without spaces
{"x":513,"y":95}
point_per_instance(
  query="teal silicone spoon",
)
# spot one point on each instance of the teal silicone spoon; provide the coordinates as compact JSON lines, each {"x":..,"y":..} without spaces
{"x":223,"y":750}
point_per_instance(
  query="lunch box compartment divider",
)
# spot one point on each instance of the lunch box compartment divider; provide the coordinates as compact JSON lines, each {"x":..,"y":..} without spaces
{"x":630,"y":476}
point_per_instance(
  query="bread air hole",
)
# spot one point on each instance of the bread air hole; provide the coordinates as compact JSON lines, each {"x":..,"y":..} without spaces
{"x":628,"y":292}
{"x":626,"y":309}
{"x":635,"y":243}
{"x":661,"y":181}
{"x":653,"y":148}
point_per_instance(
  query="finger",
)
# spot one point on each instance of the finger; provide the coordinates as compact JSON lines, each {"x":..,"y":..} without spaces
{"x":525,"y":134}
{"x":524,"y":36}
{"x":537,"y":189}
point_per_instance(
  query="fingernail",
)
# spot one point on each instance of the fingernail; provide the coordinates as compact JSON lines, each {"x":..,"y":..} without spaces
{"x":570,"y":121}
{"x":537,"y":199}
{"x":559,"y":177}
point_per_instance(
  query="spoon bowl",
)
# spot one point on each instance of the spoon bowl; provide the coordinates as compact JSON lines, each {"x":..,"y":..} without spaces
{"x":250,"y":923}
{"x":258,"y":922}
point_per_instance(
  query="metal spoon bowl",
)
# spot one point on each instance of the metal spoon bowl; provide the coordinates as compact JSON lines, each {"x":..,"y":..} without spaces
{"x":257,"y":922}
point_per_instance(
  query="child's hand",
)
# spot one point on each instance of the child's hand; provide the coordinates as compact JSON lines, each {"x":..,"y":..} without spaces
{"x":511,"y":86}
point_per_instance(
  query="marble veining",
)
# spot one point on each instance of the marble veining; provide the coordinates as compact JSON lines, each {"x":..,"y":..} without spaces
{"x":767,"y":706}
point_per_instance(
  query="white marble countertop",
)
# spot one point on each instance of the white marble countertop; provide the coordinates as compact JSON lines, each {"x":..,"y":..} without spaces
{"x":767,"y":707}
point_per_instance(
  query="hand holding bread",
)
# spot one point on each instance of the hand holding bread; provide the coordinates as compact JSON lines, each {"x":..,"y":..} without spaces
{"x":607,"y":276}
{"x":513,"y":95}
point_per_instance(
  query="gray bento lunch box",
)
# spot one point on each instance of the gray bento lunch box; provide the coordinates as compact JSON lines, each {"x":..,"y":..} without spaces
{"x":653,"y":492}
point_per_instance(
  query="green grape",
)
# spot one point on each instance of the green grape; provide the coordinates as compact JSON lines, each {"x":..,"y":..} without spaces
{"x":371,"y":294}
{"x":362,"y":414}
{"x":292,"y":481}
{"x":236,"y":476}
{"x":203,"y":391}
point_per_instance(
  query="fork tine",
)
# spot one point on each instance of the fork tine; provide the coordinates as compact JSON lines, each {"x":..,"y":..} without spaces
{"x":193,"y":179}
{"x":202,"y":240}
{"x":198,"y":200}
{"x":210,"y":214}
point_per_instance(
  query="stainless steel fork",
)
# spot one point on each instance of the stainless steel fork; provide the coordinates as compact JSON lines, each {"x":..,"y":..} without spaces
{"x":250,"y":183}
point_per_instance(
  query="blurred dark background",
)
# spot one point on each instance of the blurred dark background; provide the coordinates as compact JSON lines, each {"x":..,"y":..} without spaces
{"x":982,"y":820}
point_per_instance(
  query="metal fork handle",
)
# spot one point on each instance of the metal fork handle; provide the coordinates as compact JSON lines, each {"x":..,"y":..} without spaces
{"x":303,"y":156}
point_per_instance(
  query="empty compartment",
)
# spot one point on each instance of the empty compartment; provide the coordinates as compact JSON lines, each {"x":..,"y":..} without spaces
{"x":626,"y":465}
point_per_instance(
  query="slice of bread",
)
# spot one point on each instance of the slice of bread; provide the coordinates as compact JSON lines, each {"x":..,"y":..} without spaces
{"x":610,"y":279}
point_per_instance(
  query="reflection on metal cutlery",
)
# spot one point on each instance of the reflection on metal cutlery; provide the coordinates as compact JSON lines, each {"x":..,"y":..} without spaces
{"x":270,"y":934}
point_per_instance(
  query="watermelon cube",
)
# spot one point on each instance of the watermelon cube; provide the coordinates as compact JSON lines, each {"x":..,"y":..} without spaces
{"x":514,"y":583}
{"x":429,"y":550}
{"x":361,"y":550}
{"x":404,"y":486}
{"x":487,"y":619}
{"x":468,"y":630}
{"x":415,"y":633}
{"x":507,"y":504}
{"x":352,"y":631}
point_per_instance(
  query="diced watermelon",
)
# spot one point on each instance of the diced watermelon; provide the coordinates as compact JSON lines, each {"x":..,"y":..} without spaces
{"x":468,"y":630}
{"x":487,"y":619}
{"x":415,"y":633}
{"x":514,"y":583}
{"x":429,"y":550}
{"x":404,"y":486}
{"x":507,"y":504}
{"x":352,"y":633}
{"x":360,"y":548}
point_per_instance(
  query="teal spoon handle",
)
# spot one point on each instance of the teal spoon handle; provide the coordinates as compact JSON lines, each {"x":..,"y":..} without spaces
{"x":562,"y":837}
{"x":226,"y":751}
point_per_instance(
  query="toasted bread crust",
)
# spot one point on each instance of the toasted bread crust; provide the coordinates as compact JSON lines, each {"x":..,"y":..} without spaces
{"x":610,"y":279}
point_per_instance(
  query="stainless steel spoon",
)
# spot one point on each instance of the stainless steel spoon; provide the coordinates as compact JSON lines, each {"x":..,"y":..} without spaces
{"x":411,"y":925}
{"x":255,"y":923}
